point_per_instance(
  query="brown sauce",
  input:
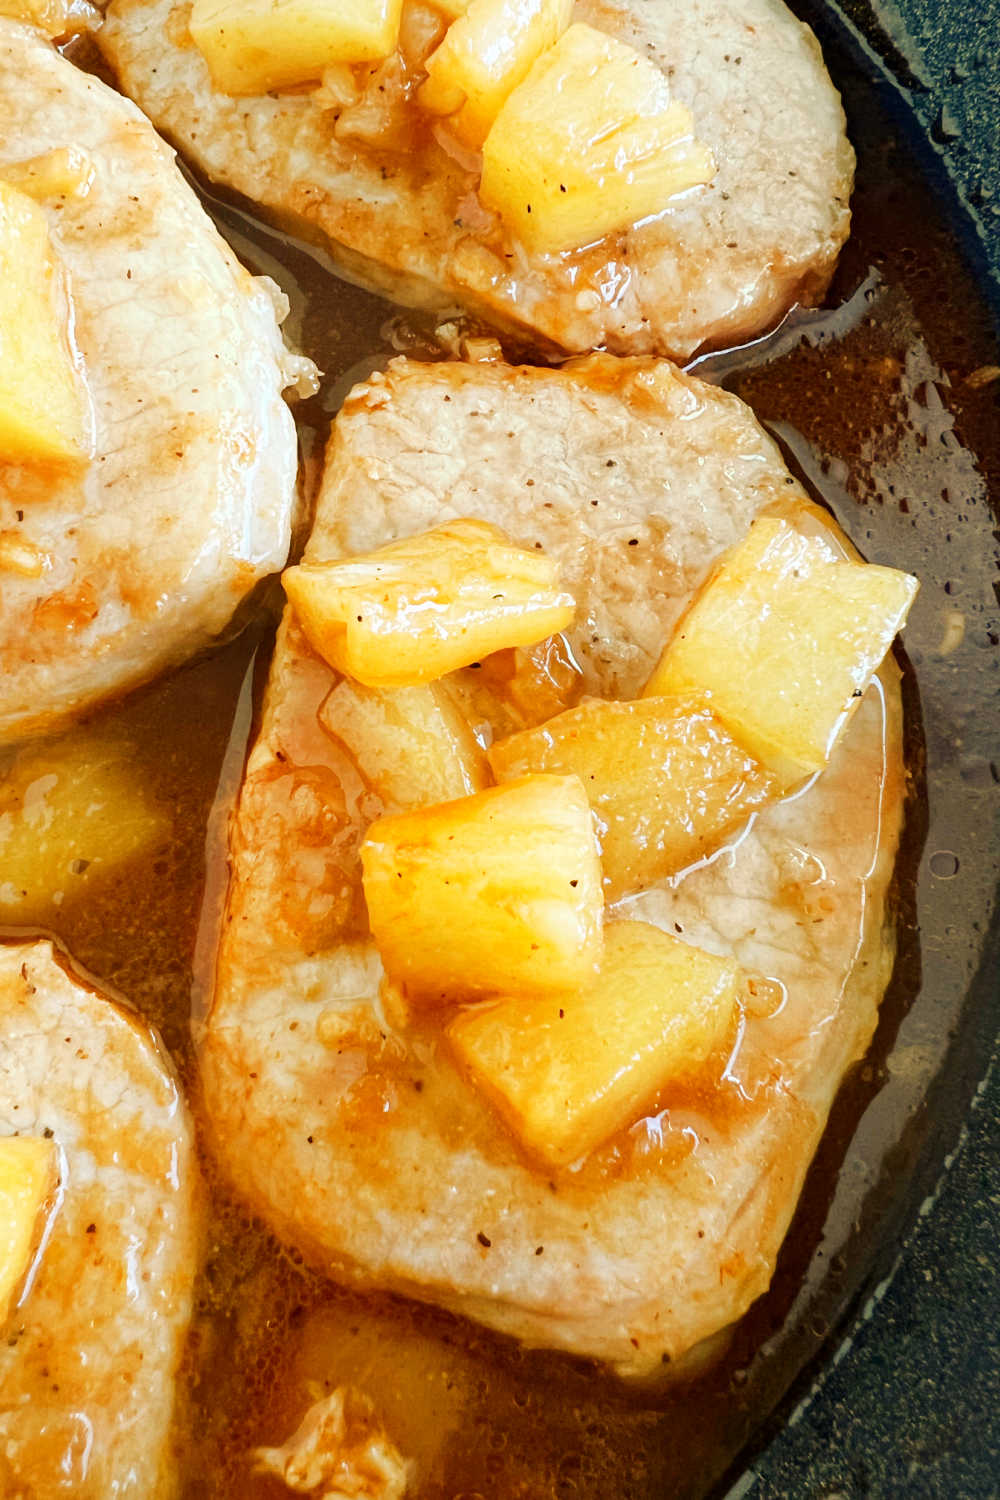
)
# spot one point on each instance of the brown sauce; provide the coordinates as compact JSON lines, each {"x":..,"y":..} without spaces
{"x":880,"y":406}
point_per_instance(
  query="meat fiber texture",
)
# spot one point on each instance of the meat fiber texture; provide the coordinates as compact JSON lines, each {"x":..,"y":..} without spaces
{"x":143,"y":557}
{"x":355,"y":1137}
{"x":718,"y":266}
{"x":88,"y":1360}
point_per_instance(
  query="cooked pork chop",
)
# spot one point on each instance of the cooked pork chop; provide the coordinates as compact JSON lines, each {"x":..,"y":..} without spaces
{"x":718,"y":266}
{"x":88,"y":1359}
{"x":353,"y":1135}
{"x":110,"y":574}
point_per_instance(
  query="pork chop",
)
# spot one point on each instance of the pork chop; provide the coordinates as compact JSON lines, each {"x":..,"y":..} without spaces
{"x":400,"y":214}
{"x":108,"y":575}
{"x":352,"y":1134}
{"x":89,"y":1358}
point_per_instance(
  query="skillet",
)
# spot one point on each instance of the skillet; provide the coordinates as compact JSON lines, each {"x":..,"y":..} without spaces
{"x":903,"y":1397}
{"x":842,"y":1350}
{"x":876,"y":1352}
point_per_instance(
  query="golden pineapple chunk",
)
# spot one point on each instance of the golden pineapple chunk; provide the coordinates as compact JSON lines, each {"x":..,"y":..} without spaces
{"x":518,"y":688}
{"x":783,"y":640}
{"x":64,"y":172}
{"x":413,"y":745}
{"x":70,"y":812}
{"x":253,"y":46}
{"x":417,"y":609}
{"x":54,"y":17}
{"x":664,"y":776}
{"x":486,"y":53}
{"x":534,"y":682}
{"x":28,"y":1175}
{"x":500,"y":891}
{"x":567,"y":1071}
{"x":42,"y":403}
{"x":589,"y":143}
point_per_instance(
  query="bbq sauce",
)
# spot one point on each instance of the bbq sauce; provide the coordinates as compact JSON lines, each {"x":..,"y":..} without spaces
{"x":886,"y":405}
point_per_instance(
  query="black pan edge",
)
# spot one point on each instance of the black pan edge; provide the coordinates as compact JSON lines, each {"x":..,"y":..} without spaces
{"x":905,"y":1398}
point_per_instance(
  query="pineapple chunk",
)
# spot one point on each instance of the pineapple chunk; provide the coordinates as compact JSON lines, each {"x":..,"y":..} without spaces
{"x":783,"y":640}
{"x":54,"y":17}
{"x":70,"y":811}
{"x":518,"y":688}
{"x":42,"y":405}
{"x":417,"y":609}
{"x":665,"y":778}
{"x":534,"y":682}
{"x":253,"y":46}
{"x":64,"y":172}
{"x":486,"y":53}
{"x":497,"y":891}
{"x":567,"y":1071}
{"x":28,"y":1175}
{"x":589,"y":143}
{"x":413,"y":745}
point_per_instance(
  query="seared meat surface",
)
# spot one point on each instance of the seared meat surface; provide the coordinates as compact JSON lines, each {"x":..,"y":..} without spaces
{"x":720,"y":265}
{"x":88,"y":1360}
{"x":353,"y":1134}
{"x":109,"y":574}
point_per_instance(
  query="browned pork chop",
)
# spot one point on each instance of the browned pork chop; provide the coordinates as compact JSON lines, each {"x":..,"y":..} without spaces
{"x":354,"y":1136}
{"x":718,"y":266}
{"x":108,"y":575}
{"x":89,"y":1358}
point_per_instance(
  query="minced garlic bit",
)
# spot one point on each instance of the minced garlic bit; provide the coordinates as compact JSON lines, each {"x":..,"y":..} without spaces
{"x":339,"y":1451}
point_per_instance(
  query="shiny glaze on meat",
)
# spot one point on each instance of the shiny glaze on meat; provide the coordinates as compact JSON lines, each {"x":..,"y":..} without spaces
{"x":718,"y":266}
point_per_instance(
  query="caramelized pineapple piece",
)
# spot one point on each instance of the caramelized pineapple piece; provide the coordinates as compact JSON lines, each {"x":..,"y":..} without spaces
{"x":483,"y":700}
{"x":486,"y":53}
{"x":664,"y":776}
{"x":589,"y":143}
{"x":566,"y":1071}
{"x":253,"y":46}
{"x":417,"y":609}
{"x":535,"y":682}
{"x":413,"y":745}
{"x":518,"y":688}
{"x":497,"y":891}
{"x":783,"y":640}
{"x":42,"y":404}
{"x":28,"y":1176}
{"x":70,"y":811}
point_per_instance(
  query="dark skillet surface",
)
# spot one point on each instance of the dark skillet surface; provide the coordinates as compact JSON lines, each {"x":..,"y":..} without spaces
{"x":905,"y":1399}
